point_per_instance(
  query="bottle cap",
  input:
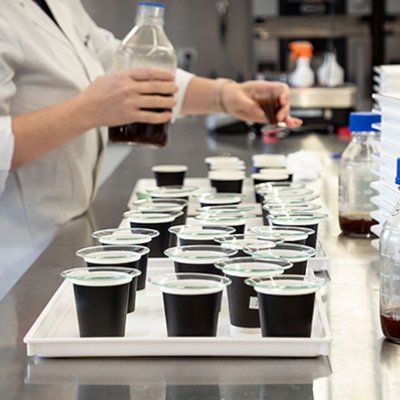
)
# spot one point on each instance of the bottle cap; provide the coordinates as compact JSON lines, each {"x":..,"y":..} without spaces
{"x":397,"y":180}
{"x":361,"y":121}
{"x":151,"y":4}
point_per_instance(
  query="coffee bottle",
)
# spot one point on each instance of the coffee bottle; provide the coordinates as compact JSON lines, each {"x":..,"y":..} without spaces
{"x":389,"y":272}
{"x":146,"y":45}
{"x":357,"y":164}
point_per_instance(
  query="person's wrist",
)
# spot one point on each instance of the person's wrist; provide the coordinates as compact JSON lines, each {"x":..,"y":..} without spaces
{"x":218,"y":102}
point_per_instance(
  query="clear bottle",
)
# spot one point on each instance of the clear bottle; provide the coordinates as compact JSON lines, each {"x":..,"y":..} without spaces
{"x":389,"y":272}
{"x":356,"y":174}
{"x":146,"y":45}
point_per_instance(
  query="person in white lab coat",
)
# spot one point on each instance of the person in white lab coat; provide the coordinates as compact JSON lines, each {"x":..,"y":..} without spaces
{"x":56,"y":100}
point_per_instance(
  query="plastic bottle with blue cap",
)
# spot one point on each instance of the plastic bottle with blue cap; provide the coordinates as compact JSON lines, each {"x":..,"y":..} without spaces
{"x":146,"y":45}
{"x":389,"y":272}
{"x":356,"y":167}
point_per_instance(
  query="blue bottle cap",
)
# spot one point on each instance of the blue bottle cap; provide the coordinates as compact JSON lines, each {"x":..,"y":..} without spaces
{"x":397,"y":180}
{"x":362,"y":121}
{"x":151,"y":4}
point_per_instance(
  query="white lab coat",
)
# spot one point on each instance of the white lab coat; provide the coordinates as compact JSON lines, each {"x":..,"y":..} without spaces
{"x":39,"y":66}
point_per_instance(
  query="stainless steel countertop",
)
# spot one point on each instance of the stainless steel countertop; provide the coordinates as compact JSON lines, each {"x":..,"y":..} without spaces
{"x":361,"y":364}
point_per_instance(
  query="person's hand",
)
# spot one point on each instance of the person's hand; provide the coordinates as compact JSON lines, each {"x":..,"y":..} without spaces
{"x":239,"y":99}
{"x":128,"y":96}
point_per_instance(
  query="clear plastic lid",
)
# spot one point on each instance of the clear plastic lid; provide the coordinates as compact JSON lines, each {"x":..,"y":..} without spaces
{"x":226,"y":175}
{"x":159,"y":205}
{"x":227,"y":209}
{"x":199,"y":232}
{"x":290,"y":208}
{"x":251,"y":266}
{"x":279,"y":187}
{"x":287,"y":233}
{"x":210,"y":219}
{"x":100,"y":276}
{"x":168,"y":168}
{"x":288,"y":200}
{"x":287,"y":194}
{"x":111,"y":254}
{"x":190,"y":283}
{"x":287,"y":285}
{"x":171,"y":191}
{"x":270,"y":176}
{"x":151,"y":218}
{"x":220,"y":198}
{"x":286,"y":251}
{"x":125,"y":236}
{"x":304,"y":218}
{"x":221,"y":159}
{"x":241,"y":241}
{"x":198,"y":254}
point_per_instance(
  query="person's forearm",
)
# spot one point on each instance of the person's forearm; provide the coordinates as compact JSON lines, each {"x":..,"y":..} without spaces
{"x":41,"y":131}
{"x":203,"y":96}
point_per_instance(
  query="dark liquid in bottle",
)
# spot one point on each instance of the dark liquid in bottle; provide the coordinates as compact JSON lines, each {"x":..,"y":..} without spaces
{"x":390,"y":323}
{"x":270,"y":106}
{"x":141,"y":133}
{"x":356,"y":224}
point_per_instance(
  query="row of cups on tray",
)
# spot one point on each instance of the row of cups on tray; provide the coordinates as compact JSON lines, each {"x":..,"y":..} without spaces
{"x":270,"y":257}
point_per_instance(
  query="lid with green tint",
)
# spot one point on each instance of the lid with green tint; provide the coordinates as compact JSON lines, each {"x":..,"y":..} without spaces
{"x":200,"y":232}
{"x":190,"y":283}
{"x":198,"y":254}
{"x":286,"y":285}
{"x":125,"y":236}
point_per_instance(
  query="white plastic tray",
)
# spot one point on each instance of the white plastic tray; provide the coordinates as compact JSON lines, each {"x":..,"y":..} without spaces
{"x":55,"y":332}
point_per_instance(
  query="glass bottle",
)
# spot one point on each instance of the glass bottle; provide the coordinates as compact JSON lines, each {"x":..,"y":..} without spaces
{"x":356,"y":174}
{"x":146,"y":45}
{"x":389,"y":272}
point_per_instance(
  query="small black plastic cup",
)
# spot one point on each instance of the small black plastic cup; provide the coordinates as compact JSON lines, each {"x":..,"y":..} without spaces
{"x":272,"y":208}
{"x":101,"y":299}
{"x":174,"y":192}
{"x":225,"y":181}
{"x":297,"y":254}
{"x":116,"y":256}
{"x":220,"y":199}
{"x":268,"y":161}
{"x":197,"y":258}
{"x":270,"y":176}
{"x":242,"y":298}
{"x":241,"y":241}
{"x":288,"y":234}
{"x":214,"y":160}
{"x":301,"y":219}
{"x":169,"y":175}
{"x":161,"y":205}
{"x":286,"y":304}
{"x":161,"y":222}
{"x":192,"y":302}
{"x":236,"y":222}
{"x":133,"y":237}
{"x":199,"y":235}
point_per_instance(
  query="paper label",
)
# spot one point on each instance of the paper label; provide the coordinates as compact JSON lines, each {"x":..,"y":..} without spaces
{"x":253,"y":304}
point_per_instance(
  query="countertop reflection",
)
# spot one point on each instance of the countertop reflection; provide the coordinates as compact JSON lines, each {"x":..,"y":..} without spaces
{"x":361,"y":363}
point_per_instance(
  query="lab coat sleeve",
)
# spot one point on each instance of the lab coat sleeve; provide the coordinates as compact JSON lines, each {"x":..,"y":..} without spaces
{"x":10,"y":58}
{"x":103,"y":43}
{"x":182,"y":81}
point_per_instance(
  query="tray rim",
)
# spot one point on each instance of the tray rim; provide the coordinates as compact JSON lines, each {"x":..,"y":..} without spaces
{"x":168,"y":346}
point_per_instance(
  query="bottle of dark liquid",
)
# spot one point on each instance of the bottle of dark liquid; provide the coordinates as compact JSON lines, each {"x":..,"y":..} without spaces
{"x":146,"y":45}
{"x":389,"y":272}
{"x":356,"y":175}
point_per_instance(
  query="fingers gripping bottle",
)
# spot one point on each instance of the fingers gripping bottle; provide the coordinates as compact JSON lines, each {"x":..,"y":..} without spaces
{"x":356,"y":174}
{"x":146,"y":45}
{"x":389,"y":272}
